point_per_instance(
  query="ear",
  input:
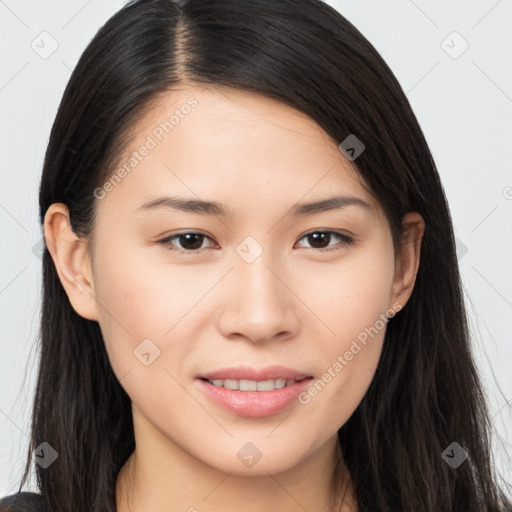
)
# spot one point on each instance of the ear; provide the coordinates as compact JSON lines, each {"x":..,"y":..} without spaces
{"x":72,"y":262}
{"x":407,"y":263}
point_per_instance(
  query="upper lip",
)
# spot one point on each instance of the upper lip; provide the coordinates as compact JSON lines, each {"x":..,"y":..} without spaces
{"x":250,"y":373}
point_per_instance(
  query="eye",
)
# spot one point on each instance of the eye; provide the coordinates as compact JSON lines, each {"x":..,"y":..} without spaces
{"x":320,"y":237}
{"x":192,"y":241}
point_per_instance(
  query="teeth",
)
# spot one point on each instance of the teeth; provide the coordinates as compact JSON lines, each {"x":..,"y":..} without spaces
{"x":231,"y":384}
{"x":253,"y":385}
{"x":247,"y":385}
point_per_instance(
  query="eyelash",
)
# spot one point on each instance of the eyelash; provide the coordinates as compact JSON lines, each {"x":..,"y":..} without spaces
{"x":345,"y":242}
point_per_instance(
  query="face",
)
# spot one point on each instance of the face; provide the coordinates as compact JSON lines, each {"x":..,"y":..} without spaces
{"x":253,"y":282}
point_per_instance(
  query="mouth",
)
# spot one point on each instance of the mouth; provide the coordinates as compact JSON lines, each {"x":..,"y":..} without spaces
{"x":253,"y":398}
{"x":253,"y":385}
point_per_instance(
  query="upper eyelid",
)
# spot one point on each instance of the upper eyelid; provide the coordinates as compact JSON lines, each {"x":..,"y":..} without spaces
{"x":347,"y":238}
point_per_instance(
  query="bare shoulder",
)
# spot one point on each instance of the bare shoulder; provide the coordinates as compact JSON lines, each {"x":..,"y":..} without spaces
{"x":21,"y":502}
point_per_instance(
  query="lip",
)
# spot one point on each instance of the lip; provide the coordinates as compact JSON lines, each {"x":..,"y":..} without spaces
{"x":250,"y":373}
{"x":254,"y":404}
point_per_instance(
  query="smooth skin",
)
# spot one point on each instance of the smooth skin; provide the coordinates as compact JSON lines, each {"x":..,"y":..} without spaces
{"x":296,"y":305}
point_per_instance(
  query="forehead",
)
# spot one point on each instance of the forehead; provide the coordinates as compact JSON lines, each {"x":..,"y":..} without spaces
{"x":232,"y":120}
{"x":240,"y":146}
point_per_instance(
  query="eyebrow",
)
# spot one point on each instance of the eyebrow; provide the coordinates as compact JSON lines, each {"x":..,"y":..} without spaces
{"x":214,"y":208}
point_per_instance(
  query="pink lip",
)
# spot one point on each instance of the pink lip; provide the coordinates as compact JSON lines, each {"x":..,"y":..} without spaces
{"x":248,"y":373}
{"x":254,"y":404}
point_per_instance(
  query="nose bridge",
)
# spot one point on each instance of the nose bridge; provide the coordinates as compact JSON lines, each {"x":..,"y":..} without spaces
{"x":259,"y":301}
{"x":260,"y":289}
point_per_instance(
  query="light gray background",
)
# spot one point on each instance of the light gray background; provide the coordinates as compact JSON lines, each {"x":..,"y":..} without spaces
{"x":464,"y":106}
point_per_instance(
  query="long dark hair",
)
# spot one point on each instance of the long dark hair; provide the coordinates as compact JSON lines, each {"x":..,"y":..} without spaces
{"x":426,"y":393}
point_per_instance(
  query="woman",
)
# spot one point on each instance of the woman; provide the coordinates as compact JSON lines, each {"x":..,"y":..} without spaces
{"x":260,"y":368}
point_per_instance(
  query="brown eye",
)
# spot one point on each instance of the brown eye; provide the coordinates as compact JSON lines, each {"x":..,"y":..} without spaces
{"x":319,"y":240}
{"x":189,"y":242}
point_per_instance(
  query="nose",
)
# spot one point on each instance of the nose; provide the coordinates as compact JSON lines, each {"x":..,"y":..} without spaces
{"x":257,"y":304}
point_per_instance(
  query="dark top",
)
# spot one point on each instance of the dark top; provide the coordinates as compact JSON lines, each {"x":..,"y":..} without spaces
{"x":21,"y":502}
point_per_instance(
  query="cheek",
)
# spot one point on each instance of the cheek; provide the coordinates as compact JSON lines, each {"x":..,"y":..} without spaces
{"x":353,"y":303}
{"x":135,"y":304}
{"x":147,"y":298}
{"x":351,"y":294}
{"x":141,"y":306}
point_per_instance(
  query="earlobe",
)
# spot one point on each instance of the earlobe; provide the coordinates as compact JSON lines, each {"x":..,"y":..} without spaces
{"x":72,"y":261}
{"x":407,"y":264}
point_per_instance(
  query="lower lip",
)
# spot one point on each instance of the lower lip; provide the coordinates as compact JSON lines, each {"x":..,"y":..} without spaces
{"x":254,"y":404}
